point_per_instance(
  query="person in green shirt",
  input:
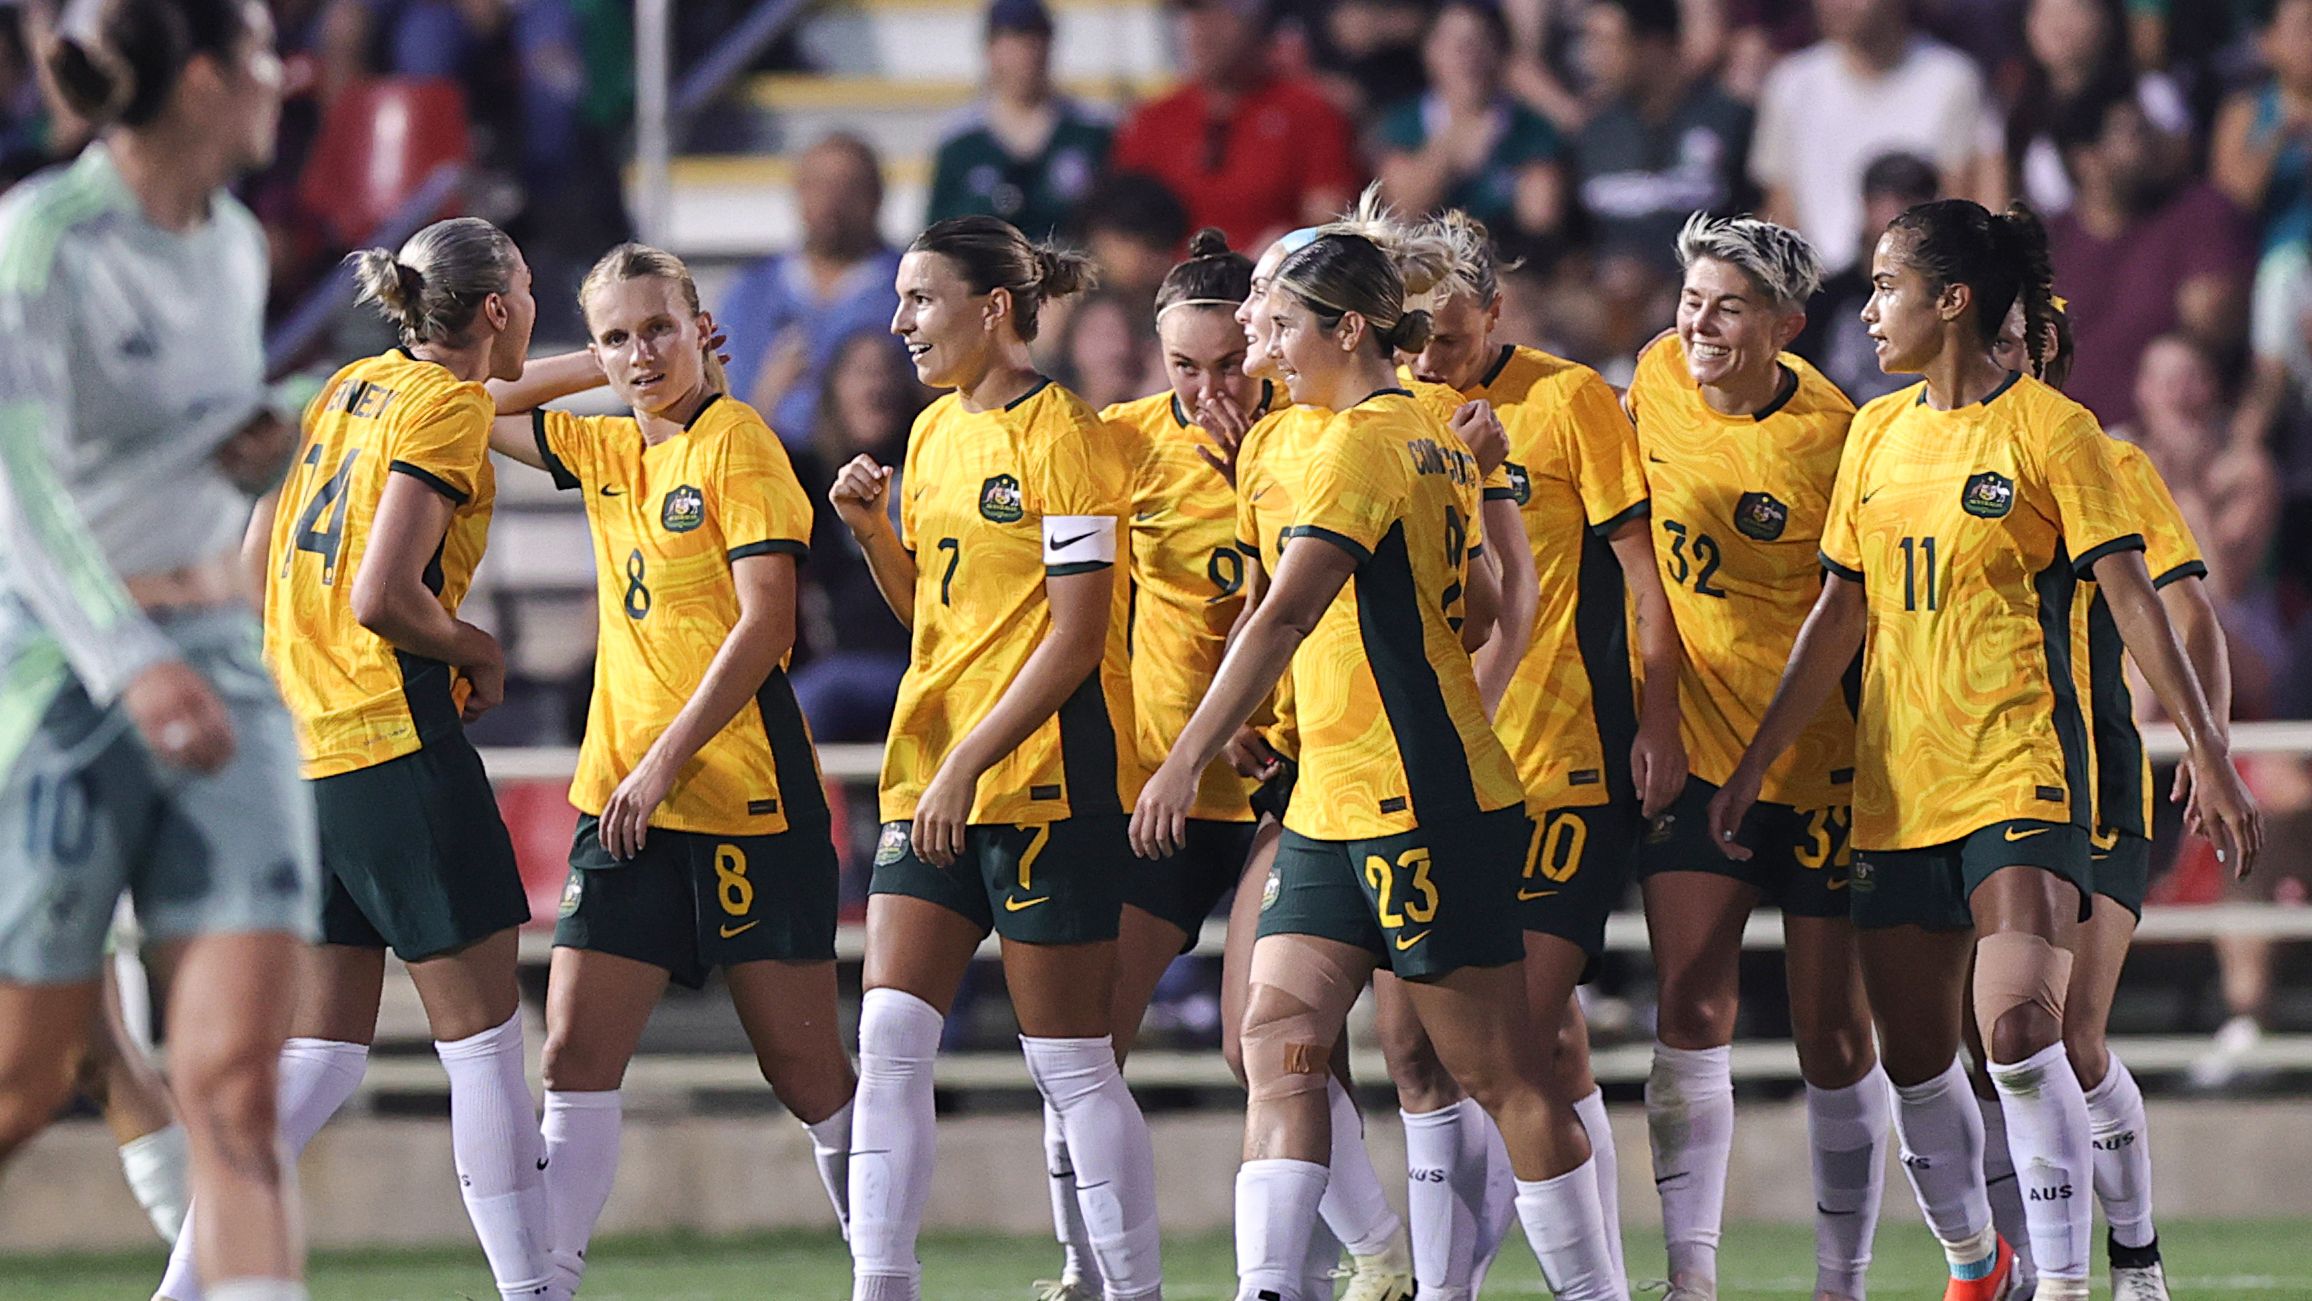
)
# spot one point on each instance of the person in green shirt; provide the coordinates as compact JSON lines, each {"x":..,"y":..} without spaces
{"x":1025,"y":153}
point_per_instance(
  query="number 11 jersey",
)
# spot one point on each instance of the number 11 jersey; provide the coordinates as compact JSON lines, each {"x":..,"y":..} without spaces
{"x":357,"y":700}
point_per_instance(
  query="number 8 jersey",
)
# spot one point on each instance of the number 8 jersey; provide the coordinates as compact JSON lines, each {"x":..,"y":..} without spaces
{"x":991,"y":504}
{"x":357,"y":700}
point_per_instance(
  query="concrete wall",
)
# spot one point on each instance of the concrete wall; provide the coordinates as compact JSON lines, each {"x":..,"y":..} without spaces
{"x":373,"y":1181}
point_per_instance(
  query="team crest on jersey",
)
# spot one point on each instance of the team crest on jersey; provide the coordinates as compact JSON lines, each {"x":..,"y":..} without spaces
{"x":1520,"y":482}
{"x":1864,"y":877}
{"x":999,"y":500}
{"x":1758,"y":515}
{"x":683,"y":510}
{"x":892,"y":845}
{"x":1989,"y":494}
{"x":572,"y":891}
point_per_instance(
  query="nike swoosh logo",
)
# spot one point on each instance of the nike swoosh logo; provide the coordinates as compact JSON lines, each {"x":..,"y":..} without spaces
{"x":542,"y":1161}
{"x":1524,"y":895}
{"x":613,"y":492}
{"x":732,"y":932}
{"x":1838,"y":885}
{"x":1868,"y":495}
{"x":1405,"y":942}
{"x":1656,"y":459}
{"x":1664,"y":1181}
{"x":1064,"y":543}
{"x":1258,"y":495}
{"x":1011,"y":905}
{"x":2012,"y":834}
{"x":1821,"y":1209}
{"x":1143,"y":517}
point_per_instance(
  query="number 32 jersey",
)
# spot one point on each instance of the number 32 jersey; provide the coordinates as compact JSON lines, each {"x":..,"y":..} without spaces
{"x":992,"y":504}
{"x":357,"y":700}
{"x":1966,"y":529}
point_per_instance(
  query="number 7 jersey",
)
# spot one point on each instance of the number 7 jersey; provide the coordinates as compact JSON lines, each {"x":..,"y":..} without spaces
{"x":357,"y":700}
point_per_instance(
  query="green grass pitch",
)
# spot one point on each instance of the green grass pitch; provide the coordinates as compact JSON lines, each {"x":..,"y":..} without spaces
{"x":2232,"y":1259}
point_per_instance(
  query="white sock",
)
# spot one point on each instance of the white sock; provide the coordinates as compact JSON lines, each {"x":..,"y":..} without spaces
{"x":1847,"y":1130}
{"x":1568,"y":1233}
{"x":500,"y":1157}
{"x":1115,"y":1161}
{"x":1942,"y":1138}
{"x":155,"y":1166}
{"x":1482,"y":1147}
{"x":2122,"y":1156}
{"x":1077,"y":1261}
{"x":316,"y":1078}
{"x":2005,"y":1192}
{"x":1690,"y":1120}
{"x":893,"y":1131}
{"x":831,"y":1152}
{"x":2047,"y":1132}
{"x":1324,"y":1257}
{"x":1608,"y":1168}
{"x":1355,"y":1208}
{"x":1276,"y":1214}
{"x":581,"y":1139}
{"x":258,"y":1289}
{"x":1442,"y":1200}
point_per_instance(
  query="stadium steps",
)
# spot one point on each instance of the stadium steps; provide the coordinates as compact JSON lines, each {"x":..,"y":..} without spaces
{"x":894,"y":72}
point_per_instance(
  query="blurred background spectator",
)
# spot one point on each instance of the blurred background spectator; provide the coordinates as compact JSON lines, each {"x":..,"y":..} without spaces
{"x":1025,"y":153}
{"x":787,"y":314}
{"x":1834,"y":338}
{"x":2076,"y":50}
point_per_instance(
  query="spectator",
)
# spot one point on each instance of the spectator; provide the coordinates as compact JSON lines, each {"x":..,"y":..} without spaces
{"x":1134,"y":229}
{"x":1834,"y":338}
{"x":1108,"y":351}
{"x":855,"y":650}
{"x":2262,"y":152}
{"x":2077,"y":50}
{"x":2142,"y":252}
{"x":787,"y":314}
{"x":1660,"y":145}
{"x":1870,"y":86}
{"x":1024,"y":153}
{"x":1244,"y":148}
{"x":1366,"y":53}
{"x":2280,"y":361}
{"x":1466,"y":144}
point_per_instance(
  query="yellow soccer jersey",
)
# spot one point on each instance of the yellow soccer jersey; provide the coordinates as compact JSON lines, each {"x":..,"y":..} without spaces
{"x":1967,"y":529}
{"x":991,"y":503}
{"x":1739,"y":503}
{"x":357,"y":700}
{"x":1393,"y":733}
{"x":2122,"y":769}
{"x":1569,"y":715}
{"x":668,"y":522}
{"x":1271,"y":467}
{"x":1187,"y":585}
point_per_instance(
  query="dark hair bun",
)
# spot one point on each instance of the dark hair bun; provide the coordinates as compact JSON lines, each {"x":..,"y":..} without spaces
{"x":1211,"y":241}
{"x":1411,"y":332}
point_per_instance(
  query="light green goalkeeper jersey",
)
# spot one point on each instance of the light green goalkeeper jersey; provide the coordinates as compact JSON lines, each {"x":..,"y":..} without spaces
{"x":128,"y":355}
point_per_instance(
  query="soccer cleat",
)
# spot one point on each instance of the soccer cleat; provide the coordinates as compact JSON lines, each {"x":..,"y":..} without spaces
{"x":1998,"y":1285}
{"x":2224,"y":1062}
{"x":1385,"y":1276}
{"x":1689,"y":1292}
{"x":1065,"y":1289}
{"x":2148,"y":1283}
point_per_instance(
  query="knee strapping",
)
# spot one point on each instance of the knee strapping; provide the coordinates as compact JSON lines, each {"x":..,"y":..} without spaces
{"x":2015,"y":970}
{"x":1296,"y":1012}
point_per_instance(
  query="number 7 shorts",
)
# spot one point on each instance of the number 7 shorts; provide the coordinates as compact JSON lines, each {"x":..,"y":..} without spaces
{"x":1038,"y":883}
{"x":690,"y":901}
{"x":1425,"y":902}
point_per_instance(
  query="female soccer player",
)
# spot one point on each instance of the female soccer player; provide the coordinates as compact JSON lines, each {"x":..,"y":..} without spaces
{"x":1011,"y":755}
{"x":1402,"y":843}
{"x":1742,"y":445}
{"x":366,"y":558}
{"x":146,"y":751}
{"x":1965,"y":506}
{"x":1587,"y":755}
{"x":2120,"y":849}
{"x":704,"y":838}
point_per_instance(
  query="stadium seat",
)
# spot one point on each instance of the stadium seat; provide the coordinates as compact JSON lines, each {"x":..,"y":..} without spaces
{"x":379,"y":141}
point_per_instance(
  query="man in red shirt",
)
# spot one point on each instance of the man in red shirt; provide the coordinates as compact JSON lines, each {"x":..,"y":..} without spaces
{"x":1245,"y":148}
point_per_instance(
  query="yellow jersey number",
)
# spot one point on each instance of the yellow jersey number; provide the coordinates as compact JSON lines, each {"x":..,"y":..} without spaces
{"x":732,"y":887}
{"x":1555,"y":854}
{"x":321,"y":526}
{"x":1420,"y":907}
{"x":1701,"y":567}
{"x":1826,"y":838}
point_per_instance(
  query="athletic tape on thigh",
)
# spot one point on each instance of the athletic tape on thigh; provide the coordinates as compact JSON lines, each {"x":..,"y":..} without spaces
{"x":2013,"y":970}
{"x":1290,"y":1052}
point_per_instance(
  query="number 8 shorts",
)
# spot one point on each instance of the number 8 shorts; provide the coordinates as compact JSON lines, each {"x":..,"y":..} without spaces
{"x":690,"y":901}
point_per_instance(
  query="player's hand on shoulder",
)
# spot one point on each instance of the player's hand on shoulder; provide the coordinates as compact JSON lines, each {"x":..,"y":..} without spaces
{"x":858,"y":492}
{"x":180,"y":717}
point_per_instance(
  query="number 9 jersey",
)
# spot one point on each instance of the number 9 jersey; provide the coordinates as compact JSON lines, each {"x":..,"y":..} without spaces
{"x":357,"y":700}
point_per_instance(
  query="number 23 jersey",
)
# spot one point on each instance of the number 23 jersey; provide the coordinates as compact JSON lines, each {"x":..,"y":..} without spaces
{"x":992,"y":503}
{"x":357,"y":700}
{"x":1966,"y":529}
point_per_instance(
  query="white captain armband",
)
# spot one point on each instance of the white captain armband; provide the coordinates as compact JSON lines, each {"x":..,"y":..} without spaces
{"x":1075,"y":543}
